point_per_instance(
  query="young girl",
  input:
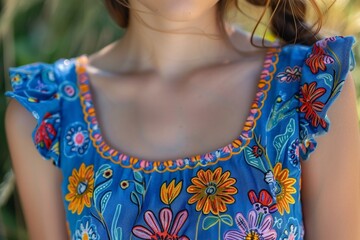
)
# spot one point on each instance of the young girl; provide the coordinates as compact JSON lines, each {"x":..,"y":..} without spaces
{"x":183,"y":129}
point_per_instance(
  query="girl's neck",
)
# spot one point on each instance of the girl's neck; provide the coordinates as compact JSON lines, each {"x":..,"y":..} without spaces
{"x":167,"y":48}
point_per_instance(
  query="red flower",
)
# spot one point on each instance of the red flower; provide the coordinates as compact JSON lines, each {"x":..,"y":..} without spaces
{"x":310,"y":106}
{"x":318,"y":59}
{"x":42,"y":135}
{"x":263,"y":203}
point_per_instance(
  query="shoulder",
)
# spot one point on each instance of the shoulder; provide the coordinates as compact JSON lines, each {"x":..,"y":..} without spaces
{"x":313,"y":77}
{"x":321,"y":52}
{"x":39,"y":88}
{"x":26,"y":76}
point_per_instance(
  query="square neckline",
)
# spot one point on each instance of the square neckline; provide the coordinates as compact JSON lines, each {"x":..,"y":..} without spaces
{"x":223,"y":153}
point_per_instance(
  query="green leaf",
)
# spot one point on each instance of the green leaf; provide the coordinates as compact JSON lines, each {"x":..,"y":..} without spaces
{"x":99,"y":189}
{"x":337,"y":89}
{"x":209,"y":222}
{"x":139,"y":188}
{"x":138,"y":177}
{"x":102,"y":169}
{"x":227,"y":219}
{"x":254,"y":161}
{"x":135,"y":198}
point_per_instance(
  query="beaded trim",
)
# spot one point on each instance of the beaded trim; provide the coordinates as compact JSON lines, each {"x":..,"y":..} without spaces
{"x":210,"y":158}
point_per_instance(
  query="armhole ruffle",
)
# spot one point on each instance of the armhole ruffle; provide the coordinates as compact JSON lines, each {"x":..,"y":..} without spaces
{"x":35,"y":87}
{"x":324,"y":72}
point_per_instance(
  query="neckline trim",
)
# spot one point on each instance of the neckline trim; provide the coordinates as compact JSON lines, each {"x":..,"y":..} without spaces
{"x":210,"y":158}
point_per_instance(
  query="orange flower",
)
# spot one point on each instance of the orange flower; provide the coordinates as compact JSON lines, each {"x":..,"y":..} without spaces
{"x":81,"y":187}
{"x":170,"y":192}
{"x":283,"y":196}
{"x":212,"y":191}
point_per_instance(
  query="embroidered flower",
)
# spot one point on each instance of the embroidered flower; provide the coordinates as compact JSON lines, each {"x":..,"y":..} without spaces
{"x":293,"y":153}
{"x":292,"y":230}
{"x":81,"y":187}
{"x":170,"y":192}
{"x":85,"y":230}
{"x":77,"y":140}
{"x":307,"y":144}
{"x":323,"y":43}
{"x":256,"y":227}
{"x":257,"y":151}
{"x":16,"y":80}
{"x":124,"y":184}
{"x":263,"y":203}
{"x":310,"y":106}
{"x":68,"y":90}
{"x":169,"y":228}
{"x":318,"y":59}
{"x":290,"y":74}
{"x":46,"y":132}
{"x":212,"y":191}
{"x":108,"y":173}
{"x":283,"y":188}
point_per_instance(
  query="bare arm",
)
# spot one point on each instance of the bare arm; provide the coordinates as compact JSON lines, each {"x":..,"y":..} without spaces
{"x":331,"y":178}
{"x":38,"y":181}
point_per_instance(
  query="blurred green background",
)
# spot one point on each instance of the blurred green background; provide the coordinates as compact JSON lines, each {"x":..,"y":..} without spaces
{"x":38,"y":30}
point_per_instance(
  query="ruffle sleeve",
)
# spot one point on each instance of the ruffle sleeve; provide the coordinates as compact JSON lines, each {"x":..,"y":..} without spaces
{"x":325,"y":69}
{"x":35,"y":87}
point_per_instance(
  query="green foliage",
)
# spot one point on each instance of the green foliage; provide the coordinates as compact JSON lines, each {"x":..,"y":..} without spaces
{"x":39,"y":30}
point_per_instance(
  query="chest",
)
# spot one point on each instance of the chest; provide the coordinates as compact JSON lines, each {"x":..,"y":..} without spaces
{"x":145,"y":118}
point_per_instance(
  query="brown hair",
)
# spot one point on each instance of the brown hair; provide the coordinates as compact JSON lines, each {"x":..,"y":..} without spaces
{"x":287,"y":20}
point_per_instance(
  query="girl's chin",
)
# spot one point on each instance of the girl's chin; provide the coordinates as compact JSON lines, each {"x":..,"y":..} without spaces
{"x":178,"y":10}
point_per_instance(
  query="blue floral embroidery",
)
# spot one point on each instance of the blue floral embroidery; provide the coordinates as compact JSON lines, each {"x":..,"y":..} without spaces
{"x":293,"y":153}
{"x":292,"y":230}
{"x":77,"y":140}
{"x":69,"y":91}
{"x":85,"y":229}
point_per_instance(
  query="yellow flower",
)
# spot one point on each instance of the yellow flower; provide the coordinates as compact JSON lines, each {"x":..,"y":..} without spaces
{"x":283,"y":196}
{"x":81,"y":187}
{"x":16,"y":79}
{"x":212,"y":191}
{"x":170,"y":192}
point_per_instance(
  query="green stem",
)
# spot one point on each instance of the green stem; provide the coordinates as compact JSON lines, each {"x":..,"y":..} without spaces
{"x":269,"y":162}
{"x":219,"y":237}
{"x":197,"y":226}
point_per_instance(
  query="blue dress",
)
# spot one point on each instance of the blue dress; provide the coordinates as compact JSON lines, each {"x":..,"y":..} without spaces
{"x":248,"y":189}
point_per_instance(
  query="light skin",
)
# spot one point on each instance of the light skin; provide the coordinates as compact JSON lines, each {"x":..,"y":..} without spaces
{"x":154,"y":86}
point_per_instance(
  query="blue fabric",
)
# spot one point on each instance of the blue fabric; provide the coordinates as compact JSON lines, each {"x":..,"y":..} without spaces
{"x":247,"y":189}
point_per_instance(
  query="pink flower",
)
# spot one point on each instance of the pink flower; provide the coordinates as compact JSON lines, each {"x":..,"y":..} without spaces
{"x":290,"y":74}
{"x":258,"y":227}
{"x":168,"y":230}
